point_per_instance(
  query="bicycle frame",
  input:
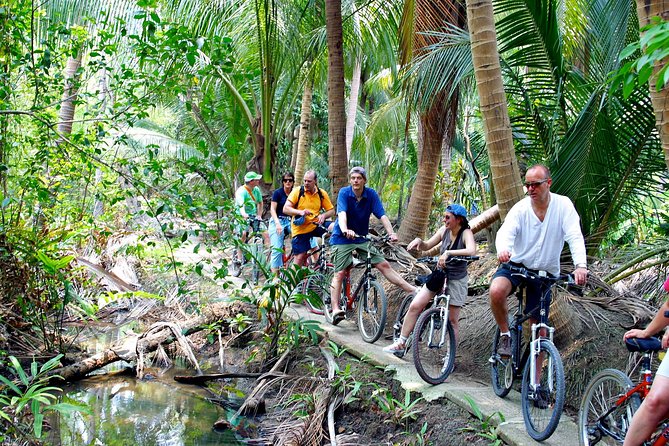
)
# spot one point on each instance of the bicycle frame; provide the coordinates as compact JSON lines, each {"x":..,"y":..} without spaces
{"x":367,"y":277}
{"x":519,"y":359}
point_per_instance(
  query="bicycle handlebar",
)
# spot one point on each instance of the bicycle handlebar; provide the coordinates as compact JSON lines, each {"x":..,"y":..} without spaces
{"x":450,"y":259}
{"x":539,"y":275}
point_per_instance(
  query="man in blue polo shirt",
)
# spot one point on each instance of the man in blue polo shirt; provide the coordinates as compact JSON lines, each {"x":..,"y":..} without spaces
{"x":355,"y":204}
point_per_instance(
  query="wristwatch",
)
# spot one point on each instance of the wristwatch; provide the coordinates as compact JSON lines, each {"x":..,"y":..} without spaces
{"x":581,"y":265}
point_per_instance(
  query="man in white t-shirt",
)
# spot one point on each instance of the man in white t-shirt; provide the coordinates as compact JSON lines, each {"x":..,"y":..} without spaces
{"x":532,"y":237}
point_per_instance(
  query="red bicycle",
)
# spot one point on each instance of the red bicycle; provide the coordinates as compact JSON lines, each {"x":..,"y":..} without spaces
{"x":611,"y":399}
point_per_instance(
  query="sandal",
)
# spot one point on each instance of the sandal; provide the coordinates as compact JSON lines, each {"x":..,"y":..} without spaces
{"x":338,"y":316}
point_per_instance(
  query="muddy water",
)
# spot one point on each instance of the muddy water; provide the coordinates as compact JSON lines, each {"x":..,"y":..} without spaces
{"x":127,"y":411}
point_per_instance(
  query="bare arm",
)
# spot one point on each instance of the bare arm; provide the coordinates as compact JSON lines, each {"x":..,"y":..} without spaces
{"x":272,"y":210}
{"x":657,"y":324}
{"x":343,"y":225}
{"x":389,"y":228}
{"x":324,"y":216}
{"x":424,"y":245}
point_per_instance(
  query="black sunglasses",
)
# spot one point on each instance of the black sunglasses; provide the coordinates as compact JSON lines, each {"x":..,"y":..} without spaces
{"x":288,"y":180}
{"x":535,"y":183}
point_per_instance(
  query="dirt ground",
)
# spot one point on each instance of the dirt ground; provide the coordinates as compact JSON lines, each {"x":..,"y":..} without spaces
{"x":376,"y":411}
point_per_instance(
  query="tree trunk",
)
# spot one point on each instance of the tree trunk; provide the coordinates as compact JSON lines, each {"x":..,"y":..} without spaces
{"x":303,"y":138}
{"x":646,"y":9}
{"x":66,"y":114}
{"x":437,"y":125}
{"x":356,"y":80}
{"x":336,"y":104}
{"x":496,"y":123}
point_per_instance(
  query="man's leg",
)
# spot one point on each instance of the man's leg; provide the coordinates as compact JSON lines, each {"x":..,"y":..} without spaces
{"x":500,"y":288}
{"x":335,"y":290}
{"x":393,"y":277}
{"x":653,"y":409}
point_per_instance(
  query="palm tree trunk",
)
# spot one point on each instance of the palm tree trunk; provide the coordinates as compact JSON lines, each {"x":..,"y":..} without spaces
{"x":336,"y":105}
{"x":356,"y":80}
{"x":646,"y":9}
{"x":303,"y":138}
{"x":437,"y":128}
{"x":496,"y":123}
{"x":66,"y":114}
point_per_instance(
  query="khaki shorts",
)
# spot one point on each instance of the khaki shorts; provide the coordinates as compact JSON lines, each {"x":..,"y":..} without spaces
{"x":342,"y":255}
{"x":457,"y":289}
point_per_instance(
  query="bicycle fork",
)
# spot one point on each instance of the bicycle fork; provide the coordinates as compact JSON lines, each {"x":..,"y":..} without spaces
{"x":443,"y":320}
{"x":535,"y":353}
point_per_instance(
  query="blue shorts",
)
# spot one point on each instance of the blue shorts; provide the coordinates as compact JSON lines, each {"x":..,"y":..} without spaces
{"x":534,"y":288}
{"x":302,"y":242}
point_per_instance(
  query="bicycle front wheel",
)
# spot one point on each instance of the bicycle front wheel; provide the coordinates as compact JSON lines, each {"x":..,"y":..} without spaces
{"x":434,"y":346}
{"x":542,"y":407}
{"x":600,"y":419}
{"x":372,"y":309}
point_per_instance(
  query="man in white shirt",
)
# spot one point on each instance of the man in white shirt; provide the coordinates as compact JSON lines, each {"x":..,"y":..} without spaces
{"x":532,"y":236}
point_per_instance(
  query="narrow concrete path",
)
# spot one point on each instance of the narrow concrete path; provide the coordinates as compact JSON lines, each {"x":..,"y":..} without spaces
{"x":512,"y":430}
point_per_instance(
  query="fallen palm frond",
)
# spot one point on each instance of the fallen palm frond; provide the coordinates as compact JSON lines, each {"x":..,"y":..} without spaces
{"x":181,"y":340}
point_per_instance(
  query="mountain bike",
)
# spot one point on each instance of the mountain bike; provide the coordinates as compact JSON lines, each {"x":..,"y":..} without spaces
{"x":433,"y":339}
{"x":254,"y":248}
{"x":543,"y":383}
{"x":369,"y":298}
{"x":611,"y":399}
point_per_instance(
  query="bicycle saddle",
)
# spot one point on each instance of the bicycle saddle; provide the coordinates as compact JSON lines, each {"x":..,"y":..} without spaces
{"x":643,"y":344}
{"x":421,"y":280}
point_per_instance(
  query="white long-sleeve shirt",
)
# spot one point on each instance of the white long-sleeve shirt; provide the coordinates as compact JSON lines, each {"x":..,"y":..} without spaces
{"x":537,"y":244}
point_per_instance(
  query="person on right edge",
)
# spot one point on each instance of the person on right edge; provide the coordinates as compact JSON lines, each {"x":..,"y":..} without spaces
{"x":532,"y":236}
{"x":655,"y":406}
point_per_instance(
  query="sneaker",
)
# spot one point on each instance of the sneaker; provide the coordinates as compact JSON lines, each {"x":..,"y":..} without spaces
{"x":504,"y":346}
{"x":397,"y":348}
{"x":338,"y":316}
{"x":542,"y":398}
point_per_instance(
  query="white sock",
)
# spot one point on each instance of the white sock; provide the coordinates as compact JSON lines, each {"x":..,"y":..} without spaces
{"x":506,"y":333}
{"x":403,"y":339}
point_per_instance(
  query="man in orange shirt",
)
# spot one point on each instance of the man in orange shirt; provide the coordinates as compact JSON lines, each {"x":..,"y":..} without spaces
{"x":307,"y":201}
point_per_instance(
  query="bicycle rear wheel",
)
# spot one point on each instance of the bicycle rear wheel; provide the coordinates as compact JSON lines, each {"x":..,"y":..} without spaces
{"x":317,"y":289}
{"x":434,"y":346}
{"x":542,"y":407}
{"x":401,"y":312}
{"x":600,"y":421}
{"x":372,"y":309}
{"x":501,"y":370}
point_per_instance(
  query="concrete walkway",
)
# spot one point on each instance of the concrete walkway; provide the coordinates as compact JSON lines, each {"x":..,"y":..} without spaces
{"x":512,"y":431}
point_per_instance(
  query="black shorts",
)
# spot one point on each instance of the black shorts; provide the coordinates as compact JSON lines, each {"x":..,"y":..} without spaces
{"x":302,"y":242}
{"x":534,"y":288}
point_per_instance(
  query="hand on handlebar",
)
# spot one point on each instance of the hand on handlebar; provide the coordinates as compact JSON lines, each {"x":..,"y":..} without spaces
{"x":441,"y":261}
{"x":349,"y":233}
{"x":504,"y":256}
{"x":392,"y":237}
{"x":580,"y":276}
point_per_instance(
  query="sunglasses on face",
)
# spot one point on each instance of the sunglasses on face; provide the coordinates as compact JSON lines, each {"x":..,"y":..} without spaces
{"x":288,"y":180}
{"x":535,"y":183}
